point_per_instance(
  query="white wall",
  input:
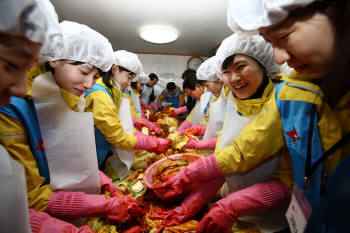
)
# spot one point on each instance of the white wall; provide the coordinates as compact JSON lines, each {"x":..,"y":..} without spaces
{"x":167,"y":67}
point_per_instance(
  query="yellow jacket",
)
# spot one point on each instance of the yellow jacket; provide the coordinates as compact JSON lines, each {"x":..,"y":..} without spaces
{"x":132,"y":108}
{"x":263,"y":137}
{"x":206,"y":116}
{"x":106,"y":119}
{"x":13,"y":136}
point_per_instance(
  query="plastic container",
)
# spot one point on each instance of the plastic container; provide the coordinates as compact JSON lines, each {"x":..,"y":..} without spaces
{"x":148,"y":174}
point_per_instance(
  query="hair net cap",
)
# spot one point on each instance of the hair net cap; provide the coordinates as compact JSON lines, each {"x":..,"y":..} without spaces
{"x":254,"y":46}
{"x":84,"y":44}
{"x":207,"y":71}
{"x":28,"y":18}
{"x":248,"y":16}
{"x":127,"y":60}
{"x":141,"y":78}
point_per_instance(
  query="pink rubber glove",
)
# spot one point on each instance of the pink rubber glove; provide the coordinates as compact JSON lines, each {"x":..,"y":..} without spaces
{"x":42,"y":222}
{"x":206,"y":144}
{"x":254,"y":199}
{"x":151,"y":143}
{"x":154,"y":108}
{"x":64,"y":204}
{"x":182,"y":103}
{"x":193,"y":203}
{"x":178,"y":111}
{"x":184,"y":125}
{"x":144,"y":122}
{"x":143,"y":104}
{"x":106,"y":184}
{"x":201,"y":170}
{"x":197,"y":130}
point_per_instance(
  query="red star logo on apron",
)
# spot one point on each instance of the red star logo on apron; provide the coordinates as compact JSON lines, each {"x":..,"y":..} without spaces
{"x":293,"y":134}
{"x":40,"y":146}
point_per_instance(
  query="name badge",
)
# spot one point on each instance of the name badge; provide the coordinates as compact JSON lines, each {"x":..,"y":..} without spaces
{"x":298,"y":212}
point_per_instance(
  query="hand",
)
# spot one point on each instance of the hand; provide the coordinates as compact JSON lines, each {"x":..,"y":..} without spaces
{"x":191,"y":144}
{"x":143,"y":104}
{"x":172,"y":113}
{"x":107,"y":184}
{"x":193,"y":203}
{"x":203,"y":169}
{"x":163,"y":145}
{"x":151,"y":143}
{"x":184,"y":125}
{"x":198,"y":130}
{"x":42,"y":222}
{"x":153,"y":107}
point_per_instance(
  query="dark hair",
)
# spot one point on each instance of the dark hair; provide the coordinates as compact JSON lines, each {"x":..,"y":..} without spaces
{"x":47,"y":66}
{"x":171,"y":86}
{"x":152,"y":76}
{"x":188,"y":73}
{"x":134,"y":85}
{"x":227,"y":61}
{"x":336,"y":83}
{"x":106,"y":77}
{"x":190,"y":83}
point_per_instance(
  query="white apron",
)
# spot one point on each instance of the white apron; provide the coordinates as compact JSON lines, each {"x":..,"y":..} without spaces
{"x":146,"y":93}
{"x":121,"y":160}
{"x":68,"y":137}
{"x":199,"y":114}
{"x":270,"y":221}
{"x":14,"y":212}
{"x":136,"y":102}
{"x":216,"y":119}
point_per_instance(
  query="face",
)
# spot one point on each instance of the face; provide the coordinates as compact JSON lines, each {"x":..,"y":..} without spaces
{"x":243,"y":76}
{"x":122,"y":77}
{"x":75,"y":79}
{"x":151,"y":83}
{"x":196,"y":93}
{"x":306,"y":45}
{"x":17,"y":54}
{"x":139,"y":86}
{"x":214,"y":87}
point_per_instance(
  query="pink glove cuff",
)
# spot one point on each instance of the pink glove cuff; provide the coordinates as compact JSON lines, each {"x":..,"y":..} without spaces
{"x":181,"y":110}
{"x":145,"y":142}
{"x":36,"y":220}
{"x":206,"y":144}
{"x":66,"y":204}
{"x":181,"y":103}
{"x":208,"y":168}
{"x":273,"y":193}
{"x":184,"y":125}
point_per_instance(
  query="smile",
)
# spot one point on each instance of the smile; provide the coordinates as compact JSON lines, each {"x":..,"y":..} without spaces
{"x":240,"y":86}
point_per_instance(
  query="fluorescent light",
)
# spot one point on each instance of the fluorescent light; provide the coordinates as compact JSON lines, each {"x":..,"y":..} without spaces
{"x":158,"y":34}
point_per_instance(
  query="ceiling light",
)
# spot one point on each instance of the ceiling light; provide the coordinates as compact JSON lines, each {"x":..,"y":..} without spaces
{"x":158,"y":34}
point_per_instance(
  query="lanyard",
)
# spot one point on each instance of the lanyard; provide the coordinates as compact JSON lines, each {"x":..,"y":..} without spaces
{"x":309,"y":170}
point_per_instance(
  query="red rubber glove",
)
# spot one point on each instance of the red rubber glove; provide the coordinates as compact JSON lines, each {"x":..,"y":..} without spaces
{"x":106,"y":184}
{"x":193,"y":203}
{"x":184,"y":125}
{"x":178,"y":111}
{"x":42,"y":222}
{"x":64,"y":204}
{"x":203,"y":169}
{"x":254,"y":199}
{"x":151,"y":143}
{"x":197,"y":130}
{"x":154,"y":108}
{"x":139,"y":124}
{"x":143,"y":104}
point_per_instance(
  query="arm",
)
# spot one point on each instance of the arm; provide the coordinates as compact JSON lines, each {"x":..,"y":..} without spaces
{"x":160,"y":99}
{"x":106,"y":120}
{"x":14,"y":138}
{"x":182,"y":99}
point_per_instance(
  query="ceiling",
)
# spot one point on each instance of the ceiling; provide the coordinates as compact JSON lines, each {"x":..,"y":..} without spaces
{"x":201,"y":23}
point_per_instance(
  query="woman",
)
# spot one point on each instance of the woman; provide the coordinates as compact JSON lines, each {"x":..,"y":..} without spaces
{"x":112,"y":116}
{"x":298,"y":102}
{"x":207,"y":73}
{"x":56,"y":105}
{"x":246,"y":63}
{"x":199,"y":114}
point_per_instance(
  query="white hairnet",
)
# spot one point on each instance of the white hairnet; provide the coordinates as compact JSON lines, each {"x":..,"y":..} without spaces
{"x":54,"y":35}
{"x":84,"y":44}
{"x":127,"y":60}
{"x":28,"y":18}
{"x":141,"y":78}
{"x":249,"y":15}
{"x":254,"y":46}
{"x":206,"y":71}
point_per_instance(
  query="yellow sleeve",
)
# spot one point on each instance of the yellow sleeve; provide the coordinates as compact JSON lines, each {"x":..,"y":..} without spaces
{"x":218,"y":142}
{"x":14,"y":138}
{"x":260,"y":139}
{"x":182,"y":97}
{"x":132,"y":108}
{"x":106,"y":120}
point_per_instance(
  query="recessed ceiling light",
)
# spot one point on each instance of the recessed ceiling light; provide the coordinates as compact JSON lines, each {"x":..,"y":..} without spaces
{"x":158,"y":34}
